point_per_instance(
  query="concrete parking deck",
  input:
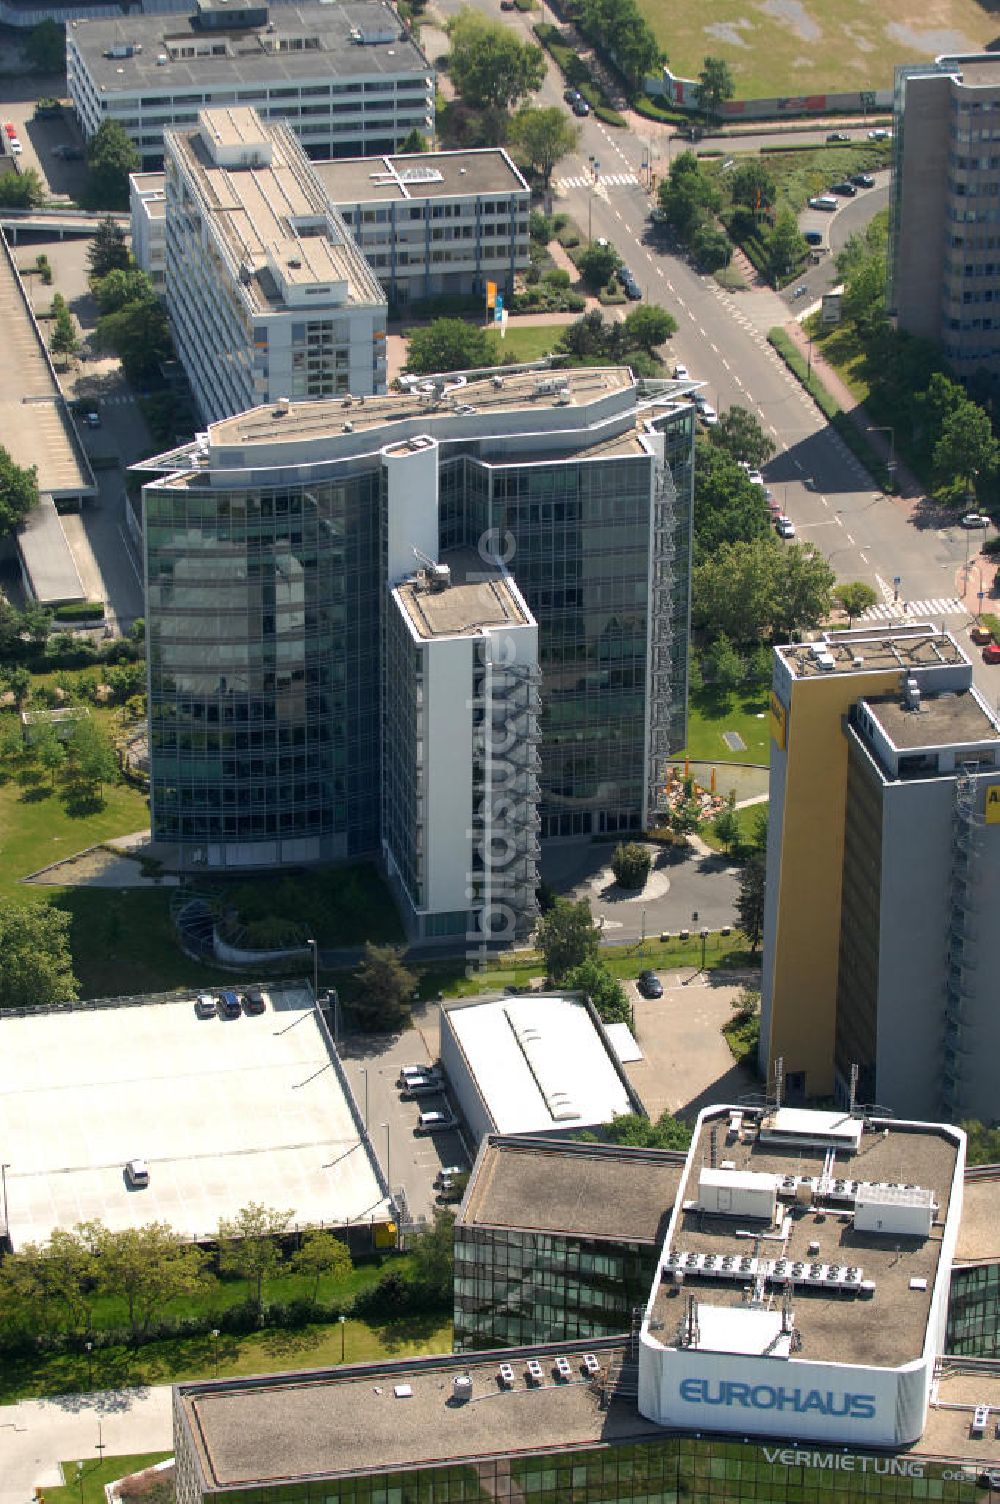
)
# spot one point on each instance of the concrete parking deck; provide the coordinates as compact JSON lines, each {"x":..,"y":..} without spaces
{"x":223,"y":1112}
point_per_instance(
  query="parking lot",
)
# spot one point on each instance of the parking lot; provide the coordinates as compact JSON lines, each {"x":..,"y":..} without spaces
{"x":223,"y":1111}
{"x":686,"y":1062}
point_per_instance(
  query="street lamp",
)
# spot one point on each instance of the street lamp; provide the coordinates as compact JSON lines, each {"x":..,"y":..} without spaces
{"x":388,"y":1174}
{"x":79,"y":1479}
{"x":315,"y":950}
{"x":891,"y":464}
{"x":6,"y":1224}
{"x":215,"y":1348}
{"x":90,"y":1364}
{"x":364,"y":1071}
{"x":704,"y":942}
{"x":343,"y":1326}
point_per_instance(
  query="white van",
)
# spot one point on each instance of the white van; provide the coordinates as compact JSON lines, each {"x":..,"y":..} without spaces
{"x":824,"y":201}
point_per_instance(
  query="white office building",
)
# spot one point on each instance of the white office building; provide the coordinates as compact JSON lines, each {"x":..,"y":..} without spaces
{"x":268,"y":295}
{"x":803,"y":1283}
{"x":347,"y":79}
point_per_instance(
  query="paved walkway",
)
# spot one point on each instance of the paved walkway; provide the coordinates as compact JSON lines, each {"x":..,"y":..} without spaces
{"x":36,"y":1435}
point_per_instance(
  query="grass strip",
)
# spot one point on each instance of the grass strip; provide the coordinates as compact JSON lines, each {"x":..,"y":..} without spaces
{"x":828,"y":405}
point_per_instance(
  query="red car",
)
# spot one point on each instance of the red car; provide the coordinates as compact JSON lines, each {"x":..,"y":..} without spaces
{"x":10,"y":128}
{"x":991,"y":654}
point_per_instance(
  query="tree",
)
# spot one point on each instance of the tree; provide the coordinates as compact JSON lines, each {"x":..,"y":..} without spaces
{"x":855,"y":597}
{"x":18,"y":493}
{"x":630,"y":864}
{"x":727,"y":825}
{"x":785,"y":246}
{"x":111,"y":156}
{"x":449,"y":345}
{"x":90,"y":757}
{"x":321,"y":1254}
{"x":567,"y":937}
{"x":804,"y":590}
{"x":489,"y":66}
{"x":753,"y":184}
{"x":864,"y":296}
{"x":45,"y":47}
{"x":607,"y":994}
{"x":248,"y":1246}
{"x":711,"y":247}
{"x":728,"y":506}
{"x":983,"y":1147}
{"x":108,"y":251}
{"x":415,"y":141}
{"x":542,"y":137}
{"x":619,"y":30}
{"x":750,"y":899}
{"x":965,"y":450}
{"x":146,"y":1267}
{"x":715,"y":86}
{"x":723,"y":670}
{"x":36,"y":968}
{"x":385,"y":988}
{"x":740,"y":434}
{"x":48,"y":750}
{"x":648,"y":326}
{"x":639,"y":1132}
{"x":46,"y":1287}
{"x":687,"y":197}
{"x":596,"y":263}
{"x":64,"y":339}
{"x":21,"y":190}
{"x":138,"y":333}
{"x":761,"y":588}
{"x":120,"y":286}
{"x":432,"y":1257}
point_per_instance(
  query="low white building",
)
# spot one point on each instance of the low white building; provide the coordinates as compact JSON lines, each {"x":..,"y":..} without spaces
{"x":803,"y":1284}
{"x":347,"y":79}
{"x":267,"y":294}
{"x":535,"y":1063}
{"x":147,"y":196}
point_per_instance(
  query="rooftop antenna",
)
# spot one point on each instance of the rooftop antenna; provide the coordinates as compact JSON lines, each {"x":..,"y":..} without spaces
{"x":854,"y":1089}
{"x":779,"y":1081}
{"x":713,"y":1147}
{"x":786,"y":1306}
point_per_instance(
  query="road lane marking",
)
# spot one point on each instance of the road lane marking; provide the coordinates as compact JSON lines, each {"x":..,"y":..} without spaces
{"x":850,"y":540}
{"x":863,"y":558}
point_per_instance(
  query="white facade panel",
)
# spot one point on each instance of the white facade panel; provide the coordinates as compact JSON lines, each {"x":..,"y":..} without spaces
{"x":448,"y":773}
{"x":411,"y":475}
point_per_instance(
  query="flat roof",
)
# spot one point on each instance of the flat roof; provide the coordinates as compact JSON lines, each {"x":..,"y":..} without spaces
{"x":563,"y":1186}
{"x":886,"y":1330}
{"x":260,"y":211}
{"x":348,"y":1420}
{"x":47,"y":557}
{"x":940,"y":721}
{"x":919,"y":646}
{"x":420,"y":175}
{"x":979,"y":1229}
{"x":34,"y":419}
{"x":223,"y":1111}
{"x":517,"y":389}
{"x":478,"y":596}
{"x":539,"y":1062}
{"x":254,"y":53}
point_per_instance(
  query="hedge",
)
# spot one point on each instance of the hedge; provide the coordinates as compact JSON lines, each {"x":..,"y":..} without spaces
{"x":80,"y":611}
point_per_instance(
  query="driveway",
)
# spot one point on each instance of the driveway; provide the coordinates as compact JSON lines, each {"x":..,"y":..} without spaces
{"x":686,"y":1064}
{"x":685,"y":887}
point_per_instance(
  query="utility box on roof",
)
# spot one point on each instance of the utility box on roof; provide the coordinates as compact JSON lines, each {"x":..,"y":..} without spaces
{"x":738,"y":1193}
{"x":904,"y":1210}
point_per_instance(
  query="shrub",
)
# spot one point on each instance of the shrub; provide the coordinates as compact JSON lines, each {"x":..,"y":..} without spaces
{"x":557,"y":276}
{"x":630,"y":864}
{"x":80,"y":611}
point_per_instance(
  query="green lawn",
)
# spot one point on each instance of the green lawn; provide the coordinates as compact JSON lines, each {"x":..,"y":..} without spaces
{"x":530,"y":341}
{"x":96,"y":1473}
{"x":815,"y":46}
{"x":842,"y":348}
{"x":35,"y":827}
{"x":803,"y":172}
{"x":710,"y":715}
{"x":185,"y":1358}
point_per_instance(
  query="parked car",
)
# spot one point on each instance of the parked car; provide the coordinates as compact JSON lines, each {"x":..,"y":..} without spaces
{"x":708,"y":415}
{"x":880,"y":134}
{"x":10,"y":129}
{"x":68,"y":153}
{"x":253,"y":1001}
{"x":862,"y":180}
{"x":15,"y":147}
{"x":580,"y":106}
{"x":137,"y":1173}
{"x":824,"y":201}
{"x":570,"y":94}
{"x":93,"y":420}
{"x":421,"y":1086}
{"x":774,"y":507}
{"x":991,"y":653}
{"x":838,"y":136}
{"x":507,"y":5}
{"x":813,"y":237}
{"x":449,"y":1172}
{"x":800,"y":291}
{"x":205,"y":1006}
{"x":417,"y":1072}
{"x":649,"y":984}
{"x":845,"y":189}
{"x":681,"y":373}
{"x":981,"y":635}
{"x":974,"y":519}
{"x":754,"y":476}
{"x":435,"y":1121}
{"x":229,"y":1004}
{"x":784,"y":526}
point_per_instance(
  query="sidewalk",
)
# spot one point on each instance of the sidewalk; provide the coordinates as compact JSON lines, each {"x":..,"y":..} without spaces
{"x":36,"y":1435}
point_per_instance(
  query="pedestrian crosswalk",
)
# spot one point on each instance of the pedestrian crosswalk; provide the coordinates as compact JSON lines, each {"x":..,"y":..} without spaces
{"x":935,"y":606}
{"x":605,"y":179}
